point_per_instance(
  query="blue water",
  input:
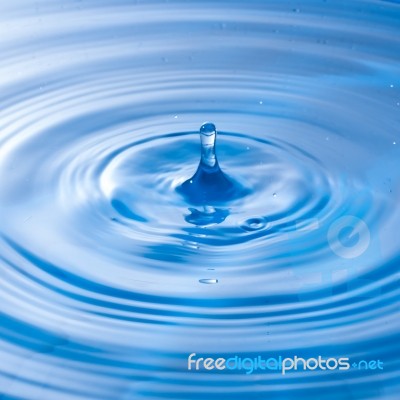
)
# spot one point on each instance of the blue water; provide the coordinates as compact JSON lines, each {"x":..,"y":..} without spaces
{"x":113,"y":270}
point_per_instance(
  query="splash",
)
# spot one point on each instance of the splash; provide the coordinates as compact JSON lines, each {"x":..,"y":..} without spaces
{"x":210,"y":185}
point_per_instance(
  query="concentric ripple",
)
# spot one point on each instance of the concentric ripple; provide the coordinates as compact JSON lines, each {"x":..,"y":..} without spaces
{"x":112,"y":276}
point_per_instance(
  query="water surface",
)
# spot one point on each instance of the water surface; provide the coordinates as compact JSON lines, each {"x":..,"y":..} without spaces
{"x":111,"y":277}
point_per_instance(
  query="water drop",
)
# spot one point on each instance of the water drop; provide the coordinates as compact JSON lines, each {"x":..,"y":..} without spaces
{"x":274,"y":194}
{"x":208,"y":135}
{"x":210,"y":185}
{"x":208,"y":281}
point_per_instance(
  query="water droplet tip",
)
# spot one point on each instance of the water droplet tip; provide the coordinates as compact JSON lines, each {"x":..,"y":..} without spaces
{"x":207,"y":129}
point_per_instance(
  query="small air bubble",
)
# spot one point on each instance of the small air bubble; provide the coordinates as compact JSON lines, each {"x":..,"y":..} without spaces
{"x":392,"y":86}
{"x":260,"y":102}
{"x":274,"y":194}
{"x":247,"y":148}
{"x":254,"y":224}
{"x":208,"y":281}
{"x":175,"y":116}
